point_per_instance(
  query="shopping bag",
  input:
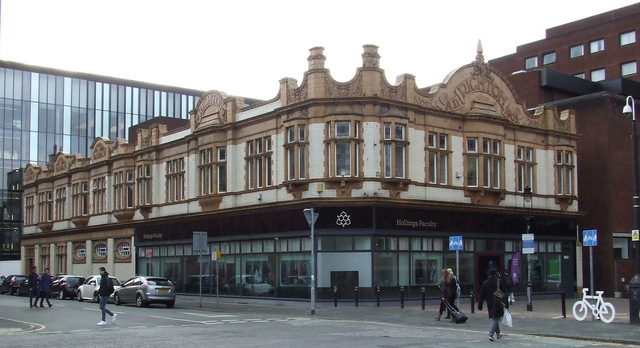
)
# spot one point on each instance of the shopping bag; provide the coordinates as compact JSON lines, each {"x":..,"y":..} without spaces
{"x":506,"y":318}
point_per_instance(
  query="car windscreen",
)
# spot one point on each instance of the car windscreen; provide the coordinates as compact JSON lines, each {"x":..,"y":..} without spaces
{"x":115,"y":281}
{"x":159,"y":282}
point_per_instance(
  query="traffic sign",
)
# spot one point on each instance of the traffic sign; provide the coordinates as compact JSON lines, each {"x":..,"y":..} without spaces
{"x":455,"y":243}
{"x":590,"y":238}
{"x":528,"y":244}
{"x":635,"y":235}
{"x":200,"y":242}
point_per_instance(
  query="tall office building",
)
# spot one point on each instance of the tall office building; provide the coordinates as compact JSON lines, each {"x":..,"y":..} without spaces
{"x":591,"y":66}
{"x":44,"y":111}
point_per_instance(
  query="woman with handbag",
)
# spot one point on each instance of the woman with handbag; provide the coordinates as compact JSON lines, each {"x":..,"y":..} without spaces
{"x":493,"y":291}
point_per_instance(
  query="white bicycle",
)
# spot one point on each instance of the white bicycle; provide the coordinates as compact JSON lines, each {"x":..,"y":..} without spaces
{"x":601,"y":310}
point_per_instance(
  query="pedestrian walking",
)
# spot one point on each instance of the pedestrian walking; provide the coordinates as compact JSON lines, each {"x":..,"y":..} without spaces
{"x":447,"y":293}
{"x":493,"y":292}
{"x":105,"y":290}
{"x":508,"y":284}
{"x":45,"y":287}
{"x":34,"y":288}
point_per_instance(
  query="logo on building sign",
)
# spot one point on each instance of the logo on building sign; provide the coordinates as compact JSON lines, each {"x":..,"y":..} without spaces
{"x":343,"y":219}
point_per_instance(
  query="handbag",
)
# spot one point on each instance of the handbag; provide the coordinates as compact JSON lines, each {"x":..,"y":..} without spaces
{"x":498,"y":293}
{"x":506,"y":318}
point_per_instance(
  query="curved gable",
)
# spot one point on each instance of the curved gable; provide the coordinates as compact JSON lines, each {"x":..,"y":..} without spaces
{"x":101,"y":149}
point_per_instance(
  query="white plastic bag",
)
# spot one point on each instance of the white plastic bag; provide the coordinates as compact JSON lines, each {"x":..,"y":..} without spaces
{"x":506,"y":318}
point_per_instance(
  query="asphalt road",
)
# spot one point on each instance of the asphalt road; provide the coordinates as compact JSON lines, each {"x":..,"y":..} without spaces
{"x":246,"y":323}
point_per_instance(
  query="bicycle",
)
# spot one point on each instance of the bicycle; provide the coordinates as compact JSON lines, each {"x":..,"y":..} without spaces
{"x":601,"y":310}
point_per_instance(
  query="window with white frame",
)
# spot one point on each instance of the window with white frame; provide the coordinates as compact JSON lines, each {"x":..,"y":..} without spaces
{"x":80,"y":251}
{"x":98,"y":192}
{"x":394,"y":145}
{"x":144,"y":184}
{"x":80,"y":199}
{"x":29,"y":209}
{"x":295,"y":151}
{"x":597,"y":75}
{"x":61,"y":203}
{"x":124,"y":248}
{"x":257,"y":159}
{"x":472,"y":162}
{"x":438,"y":154}
{"x":549,"y":58}
{"x":531,"y":62}
{"x":174,"y":180}
{"x":212,"y":169}
{"x":45,"y":206}
{"x":491,"y":163}
{"x":627,"y":38}
{"x":629,"y":68}
{"x":101,"y":250}
{"x":525,"y":165}
{"x":596,"y":46}
{"x":564,"y":172}
{"x":343,"y":148}
{"x":576,"y":51}
{"x":123,"y":189}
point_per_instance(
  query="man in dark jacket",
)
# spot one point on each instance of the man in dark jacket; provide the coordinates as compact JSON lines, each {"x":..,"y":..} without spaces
{"x":495,"y":305}
{"x":104,"y":293}
{"x":45,"y":287}
{"x":34,"y":290}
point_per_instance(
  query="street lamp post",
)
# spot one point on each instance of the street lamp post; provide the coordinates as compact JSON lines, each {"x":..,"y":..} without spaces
{"x":527,"y":197}
{"x":634,"y":285}
{"x":311,"y":217}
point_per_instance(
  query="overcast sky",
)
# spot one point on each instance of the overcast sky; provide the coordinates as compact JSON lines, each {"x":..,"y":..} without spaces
{"x":244,"y":48}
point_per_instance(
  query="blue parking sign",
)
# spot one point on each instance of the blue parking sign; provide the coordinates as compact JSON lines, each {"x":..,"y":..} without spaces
{"x":455,"y":243}
{"x":590,"y":238}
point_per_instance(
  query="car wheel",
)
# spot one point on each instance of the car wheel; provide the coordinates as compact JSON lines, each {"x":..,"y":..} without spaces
{"x":79,"y":297}
{"x":116,"y":300}
{"x":61,"y":295}
{"x":170,"y":304}
{"x":139,"y":301}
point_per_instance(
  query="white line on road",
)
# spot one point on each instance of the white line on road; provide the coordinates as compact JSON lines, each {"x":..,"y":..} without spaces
{"x":177,"y":319}
{"x":211,"y":315}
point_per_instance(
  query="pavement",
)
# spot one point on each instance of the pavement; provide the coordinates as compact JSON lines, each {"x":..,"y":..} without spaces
{"x":544,"y":320}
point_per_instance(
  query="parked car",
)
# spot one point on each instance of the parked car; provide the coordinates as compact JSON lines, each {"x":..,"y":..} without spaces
{"x":65,"y":286}
{"x":144,"y":290}
{"x":23,"y":288}
{"x":247,"y":285}
{"x":11,"y":283}
{"x":89,"y":289}
{"x":208,"y":284}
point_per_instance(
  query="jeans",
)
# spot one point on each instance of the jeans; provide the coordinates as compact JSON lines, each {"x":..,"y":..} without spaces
{"x":495,"y":327}
{"x":45,"y":295}
{"x":34,"y":293}
{"x":103,"y":306}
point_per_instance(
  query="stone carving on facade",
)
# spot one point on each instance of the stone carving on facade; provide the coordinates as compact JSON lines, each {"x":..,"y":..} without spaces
{"x":211,"y":108}
{"x":351,"y":89}
{"x":296,"y":188}
{"x":481,"y":196}
{"x":344,"y":186}
{"x":296,"y":95}
{"x":209,"y":203}
{"x":395,"y":187}
{"x":397,"y":93}
{"x":61,"y":165}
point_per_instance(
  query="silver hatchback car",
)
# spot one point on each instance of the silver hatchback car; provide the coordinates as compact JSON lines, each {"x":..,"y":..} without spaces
{"x":143,"y":290}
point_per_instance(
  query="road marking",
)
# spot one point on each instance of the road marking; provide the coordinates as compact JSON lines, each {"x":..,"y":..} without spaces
{"x":211,"y":315}
{"x":177,"y":319}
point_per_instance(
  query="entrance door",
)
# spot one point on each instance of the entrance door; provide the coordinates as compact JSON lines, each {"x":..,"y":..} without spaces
{"x":485,"y":262}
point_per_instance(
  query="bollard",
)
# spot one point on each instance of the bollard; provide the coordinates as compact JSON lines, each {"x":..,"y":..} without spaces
{"x":378,"y":296}
{"x":423,"y":297}
{"x":473,"y":301}
{"x":335,"y":296}
{"x":356,"y":296}
{"x":402,"y":297}
{"x":564,"y":305}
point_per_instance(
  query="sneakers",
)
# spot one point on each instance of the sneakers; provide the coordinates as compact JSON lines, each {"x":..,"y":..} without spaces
{"x":500,"y":336}
{"x":102,"y":323}
{"x":113,"y":318}
{"x":491,"y":338}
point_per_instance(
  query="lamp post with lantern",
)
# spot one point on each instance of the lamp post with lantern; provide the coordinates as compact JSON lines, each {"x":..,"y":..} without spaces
{"x":527,"y":197}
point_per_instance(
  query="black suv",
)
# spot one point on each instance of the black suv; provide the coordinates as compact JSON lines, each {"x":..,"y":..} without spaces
{"x":65,"y":286}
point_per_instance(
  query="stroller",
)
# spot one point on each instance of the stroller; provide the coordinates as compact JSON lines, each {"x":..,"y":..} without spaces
{"x":457,"y":315}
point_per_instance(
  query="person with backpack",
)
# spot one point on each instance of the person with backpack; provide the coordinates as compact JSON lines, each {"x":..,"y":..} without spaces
{"x":493,"y":292}
{"x":105,"y":290}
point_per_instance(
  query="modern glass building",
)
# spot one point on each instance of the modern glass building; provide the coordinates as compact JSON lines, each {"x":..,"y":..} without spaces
{"x":45,"y":110}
